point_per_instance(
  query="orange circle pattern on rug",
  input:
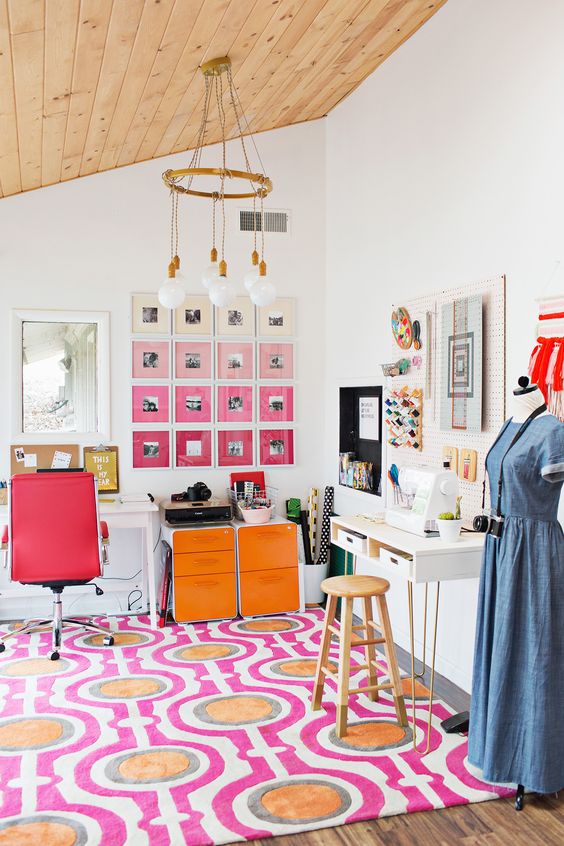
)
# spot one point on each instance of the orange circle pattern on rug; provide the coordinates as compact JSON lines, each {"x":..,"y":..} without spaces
{"x":42,"y":830}
{"x":120,"y":639}
{"x":205,"y":652}
{"x":34,"y":667}
{"x":239,"y":709}
{"x":373,"y":735}
{"x":152,"y":766}
{"x":135,"y":688}
{"x":262,"y":626}
{"x":299,"y":801}
{"x":297,"y":668}
{"x":421,"y":692}
{"x":30,"y":733}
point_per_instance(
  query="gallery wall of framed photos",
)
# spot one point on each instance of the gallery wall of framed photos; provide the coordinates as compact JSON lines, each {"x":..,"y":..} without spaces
{"x":212,"y":387}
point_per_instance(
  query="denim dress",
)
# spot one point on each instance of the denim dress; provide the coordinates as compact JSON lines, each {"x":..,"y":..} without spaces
{"x":516,"y":718}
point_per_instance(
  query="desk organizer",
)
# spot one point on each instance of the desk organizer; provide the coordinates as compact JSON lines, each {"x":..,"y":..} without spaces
{"x":403,"y":415}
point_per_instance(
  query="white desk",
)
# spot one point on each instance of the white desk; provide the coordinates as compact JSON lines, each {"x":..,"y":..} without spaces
{"x":418,"y":560}
{"x":136,"y":515}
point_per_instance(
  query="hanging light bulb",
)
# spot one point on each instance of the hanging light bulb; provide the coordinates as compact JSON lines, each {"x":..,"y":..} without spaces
{"x":263,"y":292}
{"x":252,"y":275}
{"x":222,"y":292}
{"x":171,"y":293}
{"x":211,"y":273}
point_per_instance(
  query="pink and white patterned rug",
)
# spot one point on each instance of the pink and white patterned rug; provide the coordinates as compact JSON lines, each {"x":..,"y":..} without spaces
{"x":204,"y":735}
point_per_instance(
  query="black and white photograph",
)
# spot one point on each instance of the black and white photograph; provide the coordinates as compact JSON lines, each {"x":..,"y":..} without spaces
{"x":151,"y":449}
{"x":150,"y":314}
{"x":19,"y":453}
{"x":235,"y":403}
{"x":276,"y":361}
{"x":235,"y":448}
{"x":193,"y":361}
{"x":275,"y":318}
{"x":193,"y":447}
{"x":193,"y":403}
{"x":234,"y":317}
{"x":275,"y":403}
{"x":277,"y":446}
{"x":150,"y":404}
{"x":192,"y":316}
{"x":234,"y":361}
{"x":150,"y":359}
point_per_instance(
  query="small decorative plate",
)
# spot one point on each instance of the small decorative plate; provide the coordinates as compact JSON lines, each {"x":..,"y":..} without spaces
{"x":401,"y":327}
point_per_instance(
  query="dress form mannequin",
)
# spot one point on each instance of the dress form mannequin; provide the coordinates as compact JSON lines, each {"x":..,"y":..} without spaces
{"x":526,"y":399}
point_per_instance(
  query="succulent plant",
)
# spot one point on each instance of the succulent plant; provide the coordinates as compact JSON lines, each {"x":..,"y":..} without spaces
{"x":446,"y":515}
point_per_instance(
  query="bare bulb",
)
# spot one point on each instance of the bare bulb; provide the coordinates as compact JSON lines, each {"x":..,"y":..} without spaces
{"x":171,"y":293}
{"x":251,"y":276}
{"x":263,"y":292}
{"x":221,"y":292}
{"x":210,"y":274}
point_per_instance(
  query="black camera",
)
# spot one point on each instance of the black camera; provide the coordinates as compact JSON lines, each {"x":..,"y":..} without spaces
{"x":489,"y":524}
{"x":197,"y":493}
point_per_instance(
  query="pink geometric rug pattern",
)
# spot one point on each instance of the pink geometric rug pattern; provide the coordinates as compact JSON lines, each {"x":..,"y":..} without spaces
{"x":204,"y":735}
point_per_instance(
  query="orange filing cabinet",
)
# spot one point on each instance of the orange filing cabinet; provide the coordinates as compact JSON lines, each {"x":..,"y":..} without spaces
{"x":203,"y":572}
{"x":268,"y":568}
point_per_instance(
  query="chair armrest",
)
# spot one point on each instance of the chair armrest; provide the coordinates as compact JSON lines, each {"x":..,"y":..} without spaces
{"x":4,"y":537}
{"x":104,"y":531}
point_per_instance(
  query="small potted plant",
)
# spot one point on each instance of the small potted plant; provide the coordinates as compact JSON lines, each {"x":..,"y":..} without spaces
{"x":449,"y":524}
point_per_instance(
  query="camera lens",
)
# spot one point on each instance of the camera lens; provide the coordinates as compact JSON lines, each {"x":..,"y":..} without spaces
{"x":481,"y":523}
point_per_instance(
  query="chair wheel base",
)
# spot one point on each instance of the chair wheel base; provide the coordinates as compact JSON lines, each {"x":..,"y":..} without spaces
{"x":2,"y":647}
{"x":54,"y":656}
{"x":519,"y":798}
{"x":108,"y":640}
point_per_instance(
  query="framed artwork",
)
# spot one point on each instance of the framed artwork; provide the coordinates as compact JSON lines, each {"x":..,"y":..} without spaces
{"x":235,"y":360}
{"x":193,"y":359}
{"x":148,"y":316}
{"x":151,"y":449}
{"x":103,"y":462}
{"x":369,"y":418}
{"x":276,"y":403}
{"x":236,"y":319}
{"x":277,"y":319}
{"x":194,"y":316}
{"x":193,"y":403}
{"x":150,"y":359}
{"x":235,"y":448}
{"x":461,"y":365}
{"x":235,"y":403}
{"x":193,"y":448}
{"x":150,"y":404}
{"x":276,"y":361}
{"x":276,"y":446}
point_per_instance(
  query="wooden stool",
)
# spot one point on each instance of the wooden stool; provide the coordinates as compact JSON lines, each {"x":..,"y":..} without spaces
{"x":348,"y":588}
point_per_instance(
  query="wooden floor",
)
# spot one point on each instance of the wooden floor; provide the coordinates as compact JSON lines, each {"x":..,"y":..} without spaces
{"x":496,"y":823}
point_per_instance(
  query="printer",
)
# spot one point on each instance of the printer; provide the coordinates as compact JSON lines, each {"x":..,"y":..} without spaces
{"x":185,"y":513}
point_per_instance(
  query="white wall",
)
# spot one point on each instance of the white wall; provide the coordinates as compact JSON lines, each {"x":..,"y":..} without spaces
{"x":90,"y":243}
{"x":445,"y":167}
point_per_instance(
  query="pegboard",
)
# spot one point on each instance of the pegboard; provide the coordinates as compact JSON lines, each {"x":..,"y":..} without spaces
{"x":428,"y":378}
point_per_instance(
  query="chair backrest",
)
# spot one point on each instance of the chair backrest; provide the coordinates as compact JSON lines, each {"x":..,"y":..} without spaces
{"x":54,"y":533}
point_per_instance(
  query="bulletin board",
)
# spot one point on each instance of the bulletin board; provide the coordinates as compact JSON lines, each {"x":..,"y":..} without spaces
{"x":27,"y":458}
{"x":427,"y":377}
{"x":103,"y":462}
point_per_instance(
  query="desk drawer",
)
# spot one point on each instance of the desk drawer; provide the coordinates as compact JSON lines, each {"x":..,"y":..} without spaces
{"x":269,"y":591}
{"x":200,"y":563}
{"x":397,"y":561}
{"x":203,"y":540}
{"x":208,"y":597}
{"x":267,"y":547}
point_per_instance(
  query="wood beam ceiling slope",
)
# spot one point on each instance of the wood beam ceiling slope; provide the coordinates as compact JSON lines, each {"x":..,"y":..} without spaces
{"x":91,"y":85}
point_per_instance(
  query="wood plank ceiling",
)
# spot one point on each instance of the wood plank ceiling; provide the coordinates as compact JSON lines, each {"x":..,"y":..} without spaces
{"x":90,"y":85}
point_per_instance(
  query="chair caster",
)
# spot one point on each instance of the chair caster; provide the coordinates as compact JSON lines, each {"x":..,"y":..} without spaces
{"x":54,"y":656}
{"x":2,"y":647}
{"x":108,"y":640}
{"x":519,"y":797}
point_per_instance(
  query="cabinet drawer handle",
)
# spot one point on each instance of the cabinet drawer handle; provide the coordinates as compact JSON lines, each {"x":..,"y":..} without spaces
{"x":204,"y":561}
{"x":393,"y":560}
{"x":271,"y":579}
{"x":205,"y":584}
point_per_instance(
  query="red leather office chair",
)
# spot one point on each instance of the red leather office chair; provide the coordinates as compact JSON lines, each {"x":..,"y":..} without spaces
{"x":55,"y":539}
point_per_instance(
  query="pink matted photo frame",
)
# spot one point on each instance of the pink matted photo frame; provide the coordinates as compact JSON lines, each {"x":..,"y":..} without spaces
{"x":150,"y":359}
{"x":151,"y":449}
{"x":193,"y":448}
{"x":234,"y":447}
{"x":276,"y":403}
{"x":235,"y":360}
{"x":193,"y":359}
{"x":276,"y":361}
{"x":276,"y":446}
{"x":150,"y":404}
{"x":193,"y":404}
{"x":234,"y":404}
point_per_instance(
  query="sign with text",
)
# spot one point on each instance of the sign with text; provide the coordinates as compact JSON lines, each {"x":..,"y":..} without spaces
{"x":104,"y":464}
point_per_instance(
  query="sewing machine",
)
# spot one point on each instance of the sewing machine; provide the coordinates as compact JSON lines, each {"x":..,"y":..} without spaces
{"x":422,"y":494}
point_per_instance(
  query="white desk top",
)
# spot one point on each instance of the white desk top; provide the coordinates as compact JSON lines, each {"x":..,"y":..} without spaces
{"x":105,"y":508}
{"x":408,"y":542}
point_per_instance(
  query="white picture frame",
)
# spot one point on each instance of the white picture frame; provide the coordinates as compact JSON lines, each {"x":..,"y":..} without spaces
{"x":148,"y":316}
{"x":194,"y":316}
{"x":277,"y":320}
{"x":236,"y":319}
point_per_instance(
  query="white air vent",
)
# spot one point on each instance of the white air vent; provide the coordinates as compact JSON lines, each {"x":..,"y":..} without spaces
{"x":274,"y":221}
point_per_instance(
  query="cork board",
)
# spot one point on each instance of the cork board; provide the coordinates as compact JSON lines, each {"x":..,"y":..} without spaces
{"x":27,"y":458}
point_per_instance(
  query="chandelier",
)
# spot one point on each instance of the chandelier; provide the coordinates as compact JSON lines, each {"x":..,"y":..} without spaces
{"x":255,"y":186}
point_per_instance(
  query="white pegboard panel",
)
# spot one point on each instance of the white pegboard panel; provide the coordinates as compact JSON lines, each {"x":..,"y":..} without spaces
{"x":492,"y":292}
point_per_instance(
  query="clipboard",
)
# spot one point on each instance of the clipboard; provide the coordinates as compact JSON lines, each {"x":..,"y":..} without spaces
{"x":103,"y":462}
